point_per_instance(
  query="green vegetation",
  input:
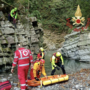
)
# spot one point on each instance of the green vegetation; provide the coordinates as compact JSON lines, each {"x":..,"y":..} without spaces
{"x":53,"y":13}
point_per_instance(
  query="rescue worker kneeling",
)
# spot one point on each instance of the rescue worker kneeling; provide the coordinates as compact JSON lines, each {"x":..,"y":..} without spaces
{"x":57,"y":60}
{"x":38,"y":68}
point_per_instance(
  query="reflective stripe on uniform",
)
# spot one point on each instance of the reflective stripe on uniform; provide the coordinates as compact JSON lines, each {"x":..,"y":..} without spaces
{"x":20,"y":54}
{"x":23,"y":58}
{"x":15,"y":56}
{"x":14,"y":63}
{"x":26,"y":85}
{"x":23,"y":65}
{"x":23,"y":84}
{"x":31,"y":60}
{"x":42,"y":54}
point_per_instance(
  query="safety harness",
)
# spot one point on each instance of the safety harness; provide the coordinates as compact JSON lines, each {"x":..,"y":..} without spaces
{"x":57,"y":59}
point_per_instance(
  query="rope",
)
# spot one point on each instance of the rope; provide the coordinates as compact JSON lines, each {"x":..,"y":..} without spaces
{"x":41,"y":83}
{"x":51,"y":80}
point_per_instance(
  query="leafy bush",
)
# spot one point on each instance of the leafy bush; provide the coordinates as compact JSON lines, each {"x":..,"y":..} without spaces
{"x":53,"y":13}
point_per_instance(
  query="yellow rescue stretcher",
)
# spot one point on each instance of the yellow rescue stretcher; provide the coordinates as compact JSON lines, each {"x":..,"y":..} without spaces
{"x":47,"y":81}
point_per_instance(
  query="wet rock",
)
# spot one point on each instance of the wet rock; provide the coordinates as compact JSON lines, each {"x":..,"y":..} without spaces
{"x":16,"y":88}
{"x":29,"y":35}
{"x":2,"y":17}
{"x":77,"y":45}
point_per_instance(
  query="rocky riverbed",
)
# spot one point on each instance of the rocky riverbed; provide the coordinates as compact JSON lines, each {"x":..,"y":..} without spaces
{"x":77,"y":81}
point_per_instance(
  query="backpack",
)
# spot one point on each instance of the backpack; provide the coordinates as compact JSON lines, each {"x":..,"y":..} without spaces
{"x":6,"y":85}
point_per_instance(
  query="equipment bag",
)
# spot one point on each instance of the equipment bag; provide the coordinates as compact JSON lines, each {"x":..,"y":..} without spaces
{"x":6,"y":85}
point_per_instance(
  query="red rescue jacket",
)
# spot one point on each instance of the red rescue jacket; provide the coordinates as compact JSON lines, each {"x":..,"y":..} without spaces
{"x":41,"y":55}
{"x":22,"y":57}
{"x":57,"y":59}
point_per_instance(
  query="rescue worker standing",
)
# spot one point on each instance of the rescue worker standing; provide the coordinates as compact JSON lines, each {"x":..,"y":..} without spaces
{"x":38,"y":68}
{"x":13,"y":16}
{"x":57,"y":60}
{"x":41,"y":54}
{"x":23,"y":59}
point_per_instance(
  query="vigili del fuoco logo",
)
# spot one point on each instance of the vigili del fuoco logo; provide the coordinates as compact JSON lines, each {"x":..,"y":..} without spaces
{"x":78,"y":21}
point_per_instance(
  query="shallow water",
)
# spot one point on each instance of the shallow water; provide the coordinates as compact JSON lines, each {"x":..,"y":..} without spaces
{"x":71,"y":66}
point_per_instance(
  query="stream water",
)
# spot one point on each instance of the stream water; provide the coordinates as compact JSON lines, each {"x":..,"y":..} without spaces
{"x":71,"y":66}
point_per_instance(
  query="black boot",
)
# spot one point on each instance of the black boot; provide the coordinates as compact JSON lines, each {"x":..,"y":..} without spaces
{"x":53,"y":71}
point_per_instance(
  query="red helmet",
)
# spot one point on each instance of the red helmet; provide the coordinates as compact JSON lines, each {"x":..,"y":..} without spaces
{"x":42,"y":61}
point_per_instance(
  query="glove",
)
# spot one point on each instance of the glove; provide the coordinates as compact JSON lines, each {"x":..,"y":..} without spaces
{"x":57,"y":68}
{"x":36,"y":79}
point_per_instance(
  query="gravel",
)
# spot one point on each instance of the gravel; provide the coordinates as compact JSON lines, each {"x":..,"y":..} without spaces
{"x":77,"y":81}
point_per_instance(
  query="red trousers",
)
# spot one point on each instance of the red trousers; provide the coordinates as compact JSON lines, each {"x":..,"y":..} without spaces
{"x":22,"y":76}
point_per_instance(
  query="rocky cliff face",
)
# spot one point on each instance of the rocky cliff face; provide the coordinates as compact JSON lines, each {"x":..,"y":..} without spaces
{"x":77,"y":46}
{"x":29,"y":34}
{"x":53,"y":39}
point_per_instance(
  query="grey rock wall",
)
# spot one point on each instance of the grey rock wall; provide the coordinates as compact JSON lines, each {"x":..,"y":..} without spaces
{"x":77,"y":46}
{"x":29,"y":35}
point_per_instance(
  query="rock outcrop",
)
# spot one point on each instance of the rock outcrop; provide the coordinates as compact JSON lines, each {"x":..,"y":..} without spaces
{"x":77,"y":46}
{"x":29,"y":35}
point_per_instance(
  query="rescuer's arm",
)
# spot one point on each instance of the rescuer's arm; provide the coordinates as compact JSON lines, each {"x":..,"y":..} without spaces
{"x":35,"y":71}
{"x":62,"y":60}
{"x":16,"y":15}
{"x":53,"y":62}
{"x":43,"y":55}
{"x":31,"y":60}
{"x":11,"y":13}
{"x":15,"y":61}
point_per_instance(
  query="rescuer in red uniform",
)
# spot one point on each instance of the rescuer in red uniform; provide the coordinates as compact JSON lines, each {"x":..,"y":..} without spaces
{"x":23,"y":59}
